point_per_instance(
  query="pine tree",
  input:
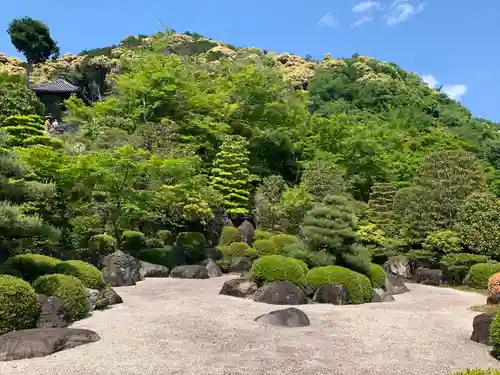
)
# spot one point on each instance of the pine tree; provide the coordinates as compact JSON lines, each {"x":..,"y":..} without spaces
{"x":230,"y":174}
{"x":331,"y":226}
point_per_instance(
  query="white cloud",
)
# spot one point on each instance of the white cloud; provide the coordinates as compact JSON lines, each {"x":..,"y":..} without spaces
{"x":402,"y":11}
{"x":365,"y":6}
{"x":328,"y":20}
{"x":454,"y":91}
{"x":430,"y":80}
{"x":362,"y":20}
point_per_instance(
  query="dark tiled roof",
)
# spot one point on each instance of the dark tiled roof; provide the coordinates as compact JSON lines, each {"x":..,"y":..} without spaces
{"x":59,"y":85}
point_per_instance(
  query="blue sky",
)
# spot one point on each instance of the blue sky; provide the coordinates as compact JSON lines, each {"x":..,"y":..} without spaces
{"x":452,"y":43}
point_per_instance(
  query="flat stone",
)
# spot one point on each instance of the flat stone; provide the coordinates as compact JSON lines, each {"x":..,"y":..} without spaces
{"x":291,"y":317}
{"x":241,"y":287}
{"x":380,"y":295}
{"x":334,"y":294}
{"x":193,"y":271}
{"x":280,"y":293}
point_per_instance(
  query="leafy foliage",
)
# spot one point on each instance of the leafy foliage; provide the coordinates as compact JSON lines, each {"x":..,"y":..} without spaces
{"x":19,"y":307}
{"x":277,"y":267}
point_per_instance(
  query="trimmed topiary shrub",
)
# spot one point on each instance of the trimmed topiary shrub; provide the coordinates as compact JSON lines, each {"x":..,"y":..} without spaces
{"x":443,"y":241}
{"x":359,"y":287}
{"x":237,"y":249}
{"x":165,"y":236}
{"x":229,"y":235}
{"x":495,"y":335}
{"x":251,"y":253}
{"x":162,"y":256}
{"x":7,"y":270}
{"x":87,"y":273}
{"x":265,"y":247}
{"x":193,"y":244}
{"x":103,"y":244}
{"x":281,"y":240}
{"x":477,"y":372}
{"x":277,"y":267}
{"x":19,"y":307}
{"x":423,"y":258}
{"x":154,"y":243}
{"x":456,"y":266}
{"x":479,"y":274}
{"x":494,"y":284}
{"x":133,"y":241}
{"x":69,"y":288}
{"x":261,"y":235}
{"x":32,"y":266}
{"x":377,"y":276}
{"x":302,"y":264}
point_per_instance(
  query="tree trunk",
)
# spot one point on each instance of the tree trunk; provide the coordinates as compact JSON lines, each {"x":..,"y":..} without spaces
{"x":28,"y":73}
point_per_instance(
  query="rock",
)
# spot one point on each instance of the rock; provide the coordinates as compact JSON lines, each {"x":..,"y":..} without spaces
{"x":493,"y":299}
{"x":121,"y":269}
{"x":280,"y":293}
{"x":247,"y":231}
{"x":308,"y":290}
{"x":213,"y":269}
{"x":40,"y":342}
{"x":240,"y":287}
{"x":393,"y":285}
{"x":291,"y":317}
{"x":380,"y":295}
{"x":214,"y":226}
{"x":107,"y":297}
{"x":481,"y":328}
{"x":398,"y":266}
{"x":240,"y":264}
{"x":54,"y":313}
{"x":429,"y":276}
{"x":153,"y":270}
{"x":334,"y":294}
{"x":92,"y":297}
{"x":194,"y":271}
{"x":492,"y":261}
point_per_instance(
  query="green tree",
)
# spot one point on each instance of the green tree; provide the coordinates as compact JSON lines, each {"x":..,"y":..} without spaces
{"x":323,"y":176}
{"x":32,"y":38}
{"x":267,"y":194}
{"x":15,"y":98}
{"x":230,"y":174}
{"x":331,"y":226}
{"x":381,"y":203}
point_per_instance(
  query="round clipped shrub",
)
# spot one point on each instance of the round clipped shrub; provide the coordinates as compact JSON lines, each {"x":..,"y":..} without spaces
{"x":162,"y":256}
{"x":478,"y":372}
{"x":19,"y":307}
{"x":495,"y":335}
{"x":69,"y":288}
{"x":456,"y":265}
{"x":302,"y":264}
{"x":7,"y":270}
{"x":87,"y":273}
{"x":31,"y":266}
{"x":443,"y":241}
{"x":281,"y":240}
{"x":237,"y":249}
{"x":359,"y":287}
{"x":261,"y":235}
{"x":251,"y":253}
{"x":165,"y":236}
{"x":377,"y":276}
{"x":422,"y":258}
{"x":265,"y":247}
{"x":228,"y":235}
{"x":494,"y":284}
{"x":133,"y":241}
{"x":479,"y":274}
{"x":193,"y":244}
{"x":103,"y":244}
{"x":154,"y":243}
{"x":278,"y":267}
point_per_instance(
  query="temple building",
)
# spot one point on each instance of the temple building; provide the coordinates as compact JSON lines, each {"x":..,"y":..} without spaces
{"x":53,"y":94}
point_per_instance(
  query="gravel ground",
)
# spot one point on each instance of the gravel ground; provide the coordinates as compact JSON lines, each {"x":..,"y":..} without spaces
{"x":172,"y":326}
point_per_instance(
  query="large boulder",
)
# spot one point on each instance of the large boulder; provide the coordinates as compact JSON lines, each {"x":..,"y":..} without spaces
{"x":291,"y":317}
{"x":398,"y":266}
{"x":153,"y":270}
{"x":247,"y":232}
{"x":239,"y":264}
{"x":40,"y":342}
{"x":334,"y":294}
{"x":394,"y":285}
{"x":92,"y":297}
{"x":241,"y":287}
{"x":481,"y":328}
{"x":280,"y":293}
{"x":429,"y":276}
{"x":54,"y":312}
{"x":193,"y":271}
{"x":380,"y":295}
{"x":213,"y":269}
{"x":107,"y":297}
{"x":121,"y":269}
{"x":214,"y":226}
{"x":494,"y":299}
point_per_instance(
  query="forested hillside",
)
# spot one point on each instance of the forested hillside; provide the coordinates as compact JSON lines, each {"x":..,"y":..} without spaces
{"x":176,"y":129}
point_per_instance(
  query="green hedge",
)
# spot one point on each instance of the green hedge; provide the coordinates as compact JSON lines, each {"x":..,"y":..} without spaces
{"x":377,"y":276}
{"x":495,"y":335}
{"x":103,"y":244}
{"x":154,"y":243}
{"x":281,"y":240}
{"x":69,"y":288}
{"x":162,"y":256}
{"x":278,"y":267}
{"x":87,"y":273}
{"x":265,"y":247}
{"x":133,"y":241}
{"x":359,"y":287}
{"x":251,"y":253}
{"x":228,"y":235}
{"x":19,"y":307}
{"x":32,"y":266}
{"x":261,"y":235}
{"x":478,"y":274}
{"x":456,"y":265}
{"x":193,"y":244}
{"x":165,"y":236}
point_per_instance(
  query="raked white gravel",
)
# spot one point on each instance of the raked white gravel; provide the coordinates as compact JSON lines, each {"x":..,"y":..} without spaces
{"x":184,"y":327}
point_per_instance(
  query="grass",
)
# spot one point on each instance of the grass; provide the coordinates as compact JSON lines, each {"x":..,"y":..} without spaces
{"x":488,"y":309}
{"x":466,"y":288}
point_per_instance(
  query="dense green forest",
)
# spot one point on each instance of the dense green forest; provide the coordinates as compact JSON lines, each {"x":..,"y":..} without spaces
{"x":352,"y":159}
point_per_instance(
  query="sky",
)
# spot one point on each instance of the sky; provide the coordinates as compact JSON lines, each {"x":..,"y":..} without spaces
{"x":450,"y":43}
